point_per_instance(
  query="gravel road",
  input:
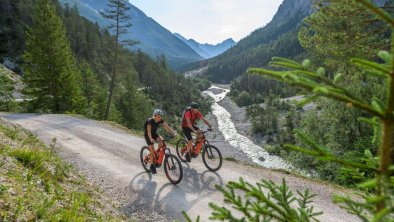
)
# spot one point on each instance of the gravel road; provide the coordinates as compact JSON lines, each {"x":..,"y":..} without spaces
{"x":109,"y":157}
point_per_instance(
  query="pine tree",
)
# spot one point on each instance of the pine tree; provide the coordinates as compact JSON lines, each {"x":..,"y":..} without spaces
{"x":372,"y":207}
{"x":133,"y":105}
{"x":336,"y":32}
{"x":7,"y":103}
{"x":51,"y":74}
{"x":92,"y":91}
{"x":339,"y":30}
{"x":116,"y":12}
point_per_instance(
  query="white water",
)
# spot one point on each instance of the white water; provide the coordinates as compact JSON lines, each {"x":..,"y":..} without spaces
{"x":227,"y":127}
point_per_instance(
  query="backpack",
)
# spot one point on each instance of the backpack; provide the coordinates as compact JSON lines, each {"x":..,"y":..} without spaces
{"x":184,"y":112}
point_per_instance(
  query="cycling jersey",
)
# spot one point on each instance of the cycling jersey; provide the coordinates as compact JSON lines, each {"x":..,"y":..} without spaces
{"x":154,"y":125}
{"x":192,"y":116}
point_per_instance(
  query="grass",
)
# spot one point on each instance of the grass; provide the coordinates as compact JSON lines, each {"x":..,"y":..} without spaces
{"x":231,"y":159}
{"x":37,"y":185}
{"x":3,"y":189}
{"x":119,"y":126}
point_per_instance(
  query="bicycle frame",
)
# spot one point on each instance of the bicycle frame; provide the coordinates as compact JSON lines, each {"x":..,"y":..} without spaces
{"x":162,"y":156}
{"x":199,"y":144}
{"x":159,"y":154}
{"x":197,"y":148}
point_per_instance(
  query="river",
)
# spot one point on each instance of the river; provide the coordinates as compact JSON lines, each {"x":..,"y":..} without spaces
{"x":226,"y":126}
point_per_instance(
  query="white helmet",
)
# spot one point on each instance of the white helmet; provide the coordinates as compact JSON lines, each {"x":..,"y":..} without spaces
{"x":158,"y":112}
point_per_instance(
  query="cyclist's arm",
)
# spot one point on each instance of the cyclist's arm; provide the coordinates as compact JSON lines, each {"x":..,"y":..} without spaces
{"x":206,"y":122}
{"x":168,"y":128}
{"x":149,"y":129}
{"x":189,"y":124}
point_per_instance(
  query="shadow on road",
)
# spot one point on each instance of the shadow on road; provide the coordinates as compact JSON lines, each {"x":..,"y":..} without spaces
{"x":170,"y":199}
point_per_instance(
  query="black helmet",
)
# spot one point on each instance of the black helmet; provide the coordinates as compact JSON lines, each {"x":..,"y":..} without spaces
{"x":194,"y":105}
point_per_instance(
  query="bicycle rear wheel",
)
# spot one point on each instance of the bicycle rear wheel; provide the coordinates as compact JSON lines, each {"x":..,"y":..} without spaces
{"x":181,"y":149}
{"x":145,"y":158}
{"x":212,"y":158}
{"x":173,"y":169}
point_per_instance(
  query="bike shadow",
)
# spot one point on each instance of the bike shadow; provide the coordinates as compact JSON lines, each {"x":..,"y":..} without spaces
{"x":142,"y":189}
{"x":194,"y":187}
{"x":169,"y":200}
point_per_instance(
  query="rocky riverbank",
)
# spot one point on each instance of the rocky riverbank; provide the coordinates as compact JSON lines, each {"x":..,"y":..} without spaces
{"x":233,"y":124}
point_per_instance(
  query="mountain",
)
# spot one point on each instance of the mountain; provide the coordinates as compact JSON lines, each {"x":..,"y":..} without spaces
{"x":277,"y":38}
{"x":207,"y":50}
{"x":153,"y":38}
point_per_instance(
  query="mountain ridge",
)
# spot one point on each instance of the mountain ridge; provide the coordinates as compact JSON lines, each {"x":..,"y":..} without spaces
{"x":262,"y":44}
{"x":154,"y":39}
{"x":207,"y":50}
{"x":277,"y":38}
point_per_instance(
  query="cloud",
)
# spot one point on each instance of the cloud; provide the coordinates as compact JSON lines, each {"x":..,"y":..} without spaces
{"x":210,"y":21}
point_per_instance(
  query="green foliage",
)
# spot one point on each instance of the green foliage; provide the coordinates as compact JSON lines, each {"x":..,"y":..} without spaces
{"x":265,"y":117}
{"x":259,"y":87}
{"x":276,"y":204}
{"x":324,"y":126}
{"x":243,"y":99}
{"x":374,"y":201}
{"x":339,"y":30}
{"x":93,"y":92}
{"x":7,"y":103}
{"x":278,"y":38}
{"x":3,"y":189}
{"x":37,"y":185}
{"x":149,"y":83}
{"x":201,"y":83}
{"x":133,"y":104}
{"x":14,"y":15}
{"x":51,"y":74}
{"x":169,"y":91}
{"x":336,"y":32}
{"x":380,"y":203}
{"x":116,"y":12}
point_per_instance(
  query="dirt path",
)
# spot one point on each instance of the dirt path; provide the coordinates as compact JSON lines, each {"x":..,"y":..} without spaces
{"x":110,"y":158}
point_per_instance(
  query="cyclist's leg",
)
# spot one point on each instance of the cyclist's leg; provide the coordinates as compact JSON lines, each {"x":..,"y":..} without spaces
{"x":152,"y":154}
{"x":198,"y":139}
{"x":160,"y":140}
{"x":151,"y":149}
{"x":188,"y":134}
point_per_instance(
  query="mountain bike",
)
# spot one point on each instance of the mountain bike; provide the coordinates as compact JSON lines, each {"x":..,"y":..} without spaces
{"x":172,"y":165}
{"x":211,"y":156}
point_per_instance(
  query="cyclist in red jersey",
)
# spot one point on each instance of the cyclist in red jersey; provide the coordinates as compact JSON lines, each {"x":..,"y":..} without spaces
{"x":188,"y":126}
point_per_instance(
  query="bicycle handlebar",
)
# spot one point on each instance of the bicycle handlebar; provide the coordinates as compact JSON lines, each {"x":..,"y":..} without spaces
{"x":166,"y":139}
{"x":173,"y":137}
{"x":208,"y":130}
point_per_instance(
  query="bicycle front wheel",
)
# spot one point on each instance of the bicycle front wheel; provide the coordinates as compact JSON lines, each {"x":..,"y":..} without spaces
{"x":212,"y":158}
{"x":145,"y":158}
{"x":173,"y":169}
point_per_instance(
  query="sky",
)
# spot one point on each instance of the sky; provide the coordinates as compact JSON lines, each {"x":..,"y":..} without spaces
{"x":210,"y":21}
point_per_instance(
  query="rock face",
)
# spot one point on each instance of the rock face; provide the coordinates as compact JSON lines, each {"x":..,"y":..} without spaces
{"x":16,"y":80}
{"x":289,"y":8}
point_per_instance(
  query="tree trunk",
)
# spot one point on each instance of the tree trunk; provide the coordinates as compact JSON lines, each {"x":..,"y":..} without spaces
{"x":114,"y":70}
{"x":386,"y":150}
